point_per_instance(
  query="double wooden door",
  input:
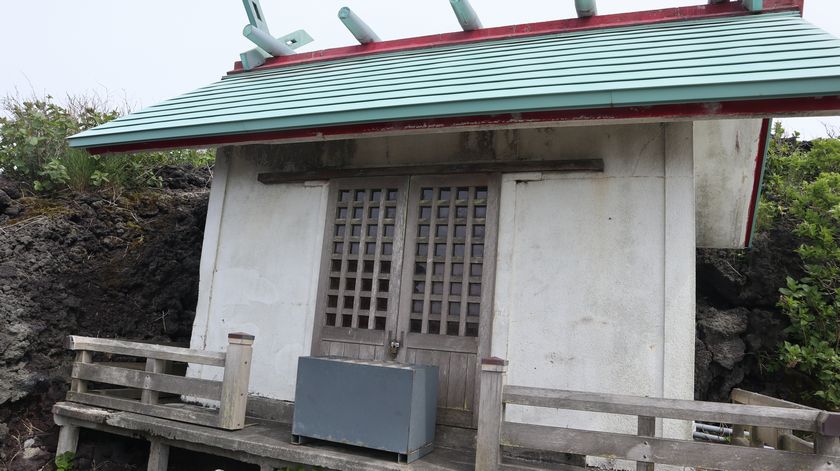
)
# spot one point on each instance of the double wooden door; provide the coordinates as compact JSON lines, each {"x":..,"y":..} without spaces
{"x":407,"y":275}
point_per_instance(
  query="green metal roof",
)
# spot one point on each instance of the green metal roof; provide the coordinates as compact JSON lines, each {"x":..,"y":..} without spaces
{"x":736,"y":58}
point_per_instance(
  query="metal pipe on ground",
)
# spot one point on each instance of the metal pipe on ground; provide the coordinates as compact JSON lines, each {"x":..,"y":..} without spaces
{"x":712,"y":429}
{"x":708,"y":437}
{"x":466,"y":15}
{"x":358,"y":28}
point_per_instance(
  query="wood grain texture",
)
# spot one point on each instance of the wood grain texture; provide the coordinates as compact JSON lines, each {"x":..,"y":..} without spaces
{"x":206,"y":417}
{"x":145,"y":350}
{"x":584,"y":165}
{"x":150,"y":396}
{"x":661,"y":450}
{"x":795,"y":419}
{"x":490,"y":417}
{"x":195,"y":387}
{"x":646,"y":428}
{"x":158,"y":456}
{"x":234,"y":392}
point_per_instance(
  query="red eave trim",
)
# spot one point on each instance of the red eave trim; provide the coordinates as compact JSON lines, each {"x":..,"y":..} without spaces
{"x":764,"y":140}
{"x":734,"y":8}
{"x":731,"y":109}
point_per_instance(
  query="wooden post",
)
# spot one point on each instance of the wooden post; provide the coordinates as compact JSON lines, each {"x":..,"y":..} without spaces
{"x":826,"y":441}
{"x":152,"y":366}
{"x":68,"y":438}
{"x":739,"y":437}
{"x":158,"y":456}
{"x":490,"y":414}
{"x":235,"y":383}
{"x":78,"y":385}
{"x":646,"y":428}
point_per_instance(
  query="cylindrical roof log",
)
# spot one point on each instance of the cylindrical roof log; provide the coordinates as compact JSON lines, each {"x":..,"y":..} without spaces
{"x":586,"y":8}
{"x":358,"y":28}
{"x":466,"y":15}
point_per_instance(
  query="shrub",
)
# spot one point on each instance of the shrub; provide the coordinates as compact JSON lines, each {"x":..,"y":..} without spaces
{"x":34,"y":149}
{"x":804,"y":187}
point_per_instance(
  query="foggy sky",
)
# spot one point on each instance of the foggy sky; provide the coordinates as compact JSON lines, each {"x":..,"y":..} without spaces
{"x":140,"y":52}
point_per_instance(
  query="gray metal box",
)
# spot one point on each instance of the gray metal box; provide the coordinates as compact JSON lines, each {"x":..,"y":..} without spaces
{"x":374,"y":404}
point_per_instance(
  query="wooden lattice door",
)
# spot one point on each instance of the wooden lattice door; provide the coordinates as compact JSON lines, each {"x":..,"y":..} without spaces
{"x":361,"y":265}
{"x":410,"y":261}
{"x":447,"y":286}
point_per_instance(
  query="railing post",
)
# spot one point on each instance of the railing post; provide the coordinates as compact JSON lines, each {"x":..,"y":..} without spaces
{"x":235,"y":383}
{"x":152,"y":366}
{"x":490,"y":414}
{"x":826,"y":441}
{"x":158,"y":456}
{"x":646,"y":428}
{"x":78,"y":385}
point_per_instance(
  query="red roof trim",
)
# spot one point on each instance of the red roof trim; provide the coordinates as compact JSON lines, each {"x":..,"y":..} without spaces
{"x":764,"y":137}
{"x":734,"y":8}
{"x":732,"y":109}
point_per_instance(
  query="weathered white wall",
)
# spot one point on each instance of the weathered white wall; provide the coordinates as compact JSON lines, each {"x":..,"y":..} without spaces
{"x":261,"y":255}
{"x":724,"y":165}
{"x":583,"y":295}
{"x":595,"y":272}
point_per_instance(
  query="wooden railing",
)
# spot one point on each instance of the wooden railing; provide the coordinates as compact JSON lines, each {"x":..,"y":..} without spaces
{"x":759,"y":437}
{"x":146,"y":388}
{"x":645,"y":448}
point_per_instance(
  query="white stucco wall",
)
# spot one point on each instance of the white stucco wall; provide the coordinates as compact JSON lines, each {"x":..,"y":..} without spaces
{"x":261,"y":277}
{"x":725,"y":160}
{"x":595,"y":272}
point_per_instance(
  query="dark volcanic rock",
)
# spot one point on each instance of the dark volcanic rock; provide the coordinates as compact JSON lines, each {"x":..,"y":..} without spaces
{"x":86,"y":265}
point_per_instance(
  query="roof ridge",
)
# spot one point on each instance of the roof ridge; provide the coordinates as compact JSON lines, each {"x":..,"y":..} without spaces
{"x":707,"y":11}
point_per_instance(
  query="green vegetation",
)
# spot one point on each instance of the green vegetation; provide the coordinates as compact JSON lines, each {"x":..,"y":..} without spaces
{"x":34,"y":150}
{"x":803,"y":188}
{"x":64,"y":461}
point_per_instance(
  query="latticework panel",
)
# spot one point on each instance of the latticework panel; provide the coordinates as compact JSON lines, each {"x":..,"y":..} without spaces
{"x":448,"y":260}
{"x":360,"y":267}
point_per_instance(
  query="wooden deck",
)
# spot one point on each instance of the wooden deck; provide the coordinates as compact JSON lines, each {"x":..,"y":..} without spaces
{"x":266,"y":443}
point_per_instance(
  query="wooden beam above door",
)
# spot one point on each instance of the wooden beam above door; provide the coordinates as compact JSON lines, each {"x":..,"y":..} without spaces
{"x":580,"y":165}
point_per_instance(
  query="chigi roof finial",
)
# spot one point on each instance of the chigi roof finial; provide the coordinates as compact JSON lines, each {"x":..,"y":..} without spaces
{"x":267,"y":45}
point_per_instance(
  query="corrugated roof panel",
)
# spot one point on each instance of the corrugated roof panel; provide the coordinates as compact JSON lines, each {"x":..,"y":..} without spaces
{"x":738,"y":58}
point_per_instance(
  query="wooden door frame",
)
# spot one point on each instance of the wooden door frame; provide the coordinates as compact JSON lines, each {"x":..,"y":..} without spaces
{"x":360,"y":335}
{"x":485,"y":329}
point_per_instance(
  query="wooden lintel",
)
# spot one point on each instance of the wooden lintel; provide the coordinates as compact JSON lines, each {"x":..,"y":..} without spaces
{"x":581,"y":165}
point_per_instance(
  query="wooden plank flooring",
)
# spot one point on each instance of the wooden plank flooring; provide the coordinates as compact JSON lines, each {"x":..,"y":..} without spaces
{"x":270,"y":442}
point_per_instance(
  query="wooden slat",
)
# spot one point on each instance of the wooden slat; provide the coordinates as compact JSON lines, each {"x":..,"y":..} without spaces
{"x":346,"y":334}
{"x":465,"y":276}
{"x":448,"y":343}
{"x":360,"y":266}
{"x":790,"y":442}
{"x":447,"y":264}
{"x":150,"y":396}
{"x":664,"y":408}
{"x":658,"y":450}
{"x":459,"y":366}
{"x":189,"y":415}
{"x":195,"y":387}
{"x":580,"y":165}
{"x":740,"y":396}
{"x":145,"y":350}
{"x":646,"y":428}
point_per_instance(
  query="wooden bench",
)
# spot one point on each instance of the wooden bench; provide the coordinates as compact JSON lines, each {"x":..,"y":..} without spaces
{"x":645,"y":448}
{"x":154,"y":390}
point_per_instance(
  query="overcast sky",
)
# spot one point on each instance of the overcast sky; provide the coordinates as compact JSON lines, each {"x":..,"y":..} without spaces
{"x":141,"y":52}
